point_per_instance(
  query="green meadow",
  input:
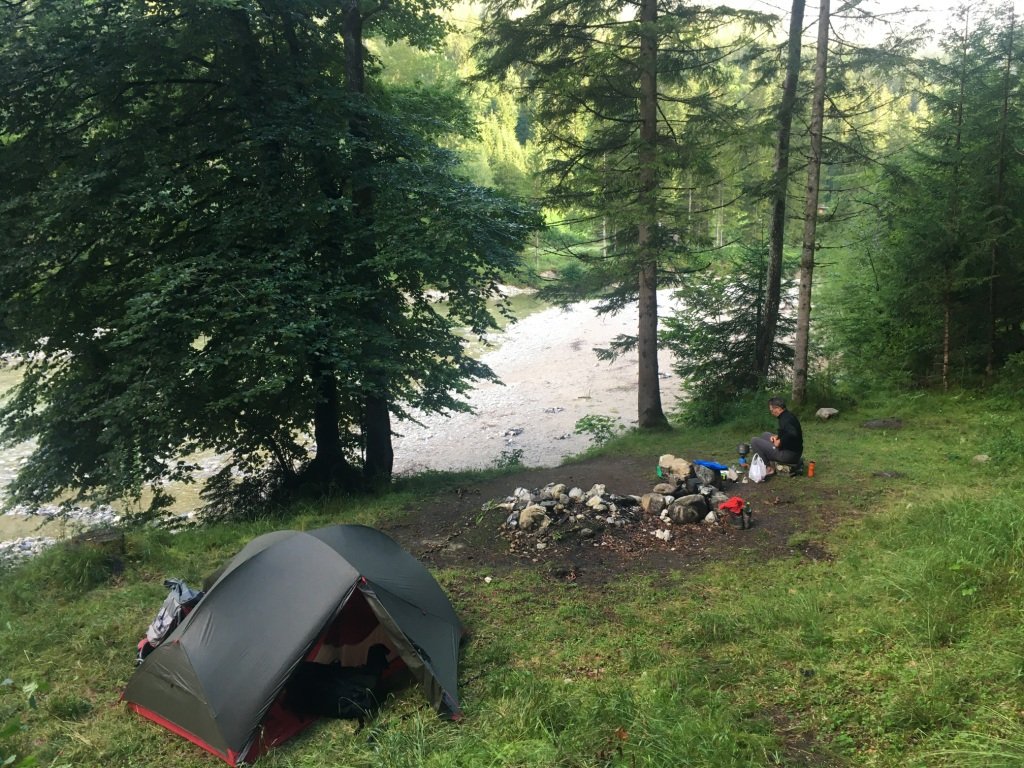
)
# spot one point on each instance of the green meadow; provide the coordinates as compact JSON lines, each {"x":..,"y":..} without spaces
{"x":903,"y":647}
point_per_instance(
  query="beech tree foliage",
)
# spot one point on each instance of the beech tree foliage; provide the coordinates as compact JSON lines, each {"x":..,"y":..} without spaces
{"x":185,"y":260}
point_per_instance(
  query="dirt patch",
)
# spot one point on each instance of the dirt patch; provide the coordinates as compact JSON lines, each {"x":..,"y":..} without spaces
{"x":452,"y":528}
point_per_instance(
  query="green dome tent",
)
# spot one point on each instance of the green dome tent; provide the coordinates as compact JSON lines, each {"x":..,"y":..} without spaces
{"x":289,"y":596}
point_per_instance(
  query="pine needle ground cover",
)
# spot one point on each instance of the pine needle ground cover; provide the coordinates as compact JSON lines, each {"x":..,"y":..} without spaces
{"x":902,"y":647}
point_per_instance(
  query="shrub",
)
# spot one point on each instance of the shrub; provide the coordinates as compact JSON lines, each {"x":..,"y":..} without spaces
{"x":600,"y":428}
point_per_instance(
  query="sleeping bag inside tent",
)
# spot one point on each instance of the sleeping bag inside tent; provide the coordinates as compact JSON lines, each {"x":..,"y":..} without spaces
{"x":231,"y":675}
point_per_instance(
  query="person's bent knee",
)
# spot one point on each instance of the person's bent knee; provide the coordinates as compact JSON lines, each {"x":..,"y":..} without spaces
{"x":763,"y":448}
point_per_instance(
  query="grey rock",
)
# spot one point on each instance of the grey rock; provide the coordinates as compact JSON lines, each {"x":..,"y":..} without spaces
{"x":707,"y":475}
{"x":688,"y":509}
{"x":622,"y":501}
{"x":674,"y":468}
{"x":718,"y":498}
{"x":652,"y":504}
{"x":19,"y":550}
{"x":552,"y":491}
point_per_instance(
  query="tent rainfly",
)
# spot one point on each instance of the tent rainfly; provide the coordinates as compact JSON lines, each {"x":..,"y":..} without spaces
{"x":326,"y":595}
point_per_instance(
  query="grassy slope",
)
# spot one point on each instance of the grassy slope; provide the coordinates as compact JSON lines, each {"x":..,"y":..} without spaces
{"x":907,"y":649}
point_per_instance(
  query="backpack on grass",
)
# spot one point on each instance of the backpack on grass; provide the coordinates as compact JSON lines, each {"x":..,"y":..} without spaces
{"x":176,"y":606}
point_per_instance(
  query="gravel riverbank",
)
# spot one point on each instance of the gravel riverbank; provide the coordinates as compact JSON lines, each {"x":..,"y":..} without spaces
{"x":551,"y":378}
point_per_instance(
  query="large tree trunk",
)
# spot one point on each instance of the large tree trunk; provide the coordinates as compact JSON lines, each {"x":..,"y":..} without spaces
{"x":649,"y":411}
{"x":329,"y":467}
{"x":378,"y":459}
{"x":780,"y":184}
{"x":955,"y":210}
{"x":803,"y":317}
{"x":1001,"y":224}
{"x":352,"y":37}
{"x":947,"y":323}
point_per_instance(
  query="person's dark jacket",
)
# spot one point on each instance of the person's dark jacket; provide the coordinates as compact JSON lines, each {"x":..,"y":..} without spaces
{"x":791,"y":437}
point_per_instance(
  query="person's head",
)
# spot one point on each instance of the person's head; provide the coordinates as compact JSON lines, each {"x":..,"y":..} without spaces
{"x":776,"y":405}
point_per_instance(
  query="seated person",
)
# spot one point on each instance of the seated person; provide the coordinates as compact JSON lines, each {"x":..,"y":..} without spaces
{"x":787,"y":446}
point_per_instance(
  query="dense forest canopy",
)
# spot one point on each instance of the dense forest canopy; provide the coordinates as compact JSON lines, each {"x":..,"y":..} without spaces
{"x":222,"y":232}
{"x":226,"y":224}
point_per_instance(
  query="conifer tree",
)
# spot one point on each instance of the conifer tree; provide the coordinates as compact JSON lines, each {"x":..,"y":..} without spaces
{"x":803,"y":322}
{"x":768,"y":326}
{"x":934,"y":296}
{"x":631,"y":108}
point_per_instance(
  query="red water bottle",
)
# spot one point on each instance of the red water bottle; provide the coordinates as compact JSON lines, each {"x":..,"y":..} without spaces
{"x":810,"y":469}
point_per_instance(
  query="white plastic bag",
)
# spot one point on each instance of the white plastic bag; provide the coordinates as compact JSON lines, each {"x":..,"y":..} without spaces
{"x":758,"y":470}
